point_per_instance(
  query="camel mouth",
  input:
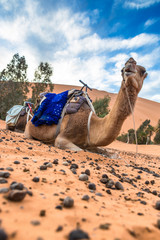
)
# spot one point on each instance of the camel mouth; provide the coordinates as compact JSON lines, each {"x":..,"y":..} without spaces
{"x":129,"y":72}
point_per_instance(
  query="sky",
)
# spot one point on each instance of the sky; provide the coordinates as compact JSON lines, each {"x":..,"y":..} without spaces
{"x":84,"y":39}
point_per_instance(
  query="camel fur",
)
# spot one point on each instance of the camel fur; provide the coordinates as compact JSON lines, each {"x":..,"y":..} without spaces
{"x":74,"y":133}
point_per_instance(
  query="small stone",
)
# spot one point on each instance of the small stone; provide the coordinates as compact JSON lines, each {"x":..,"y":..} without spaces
{"x":15,"y":185}
{"x":59,"y":228}
{"x":65,"y":163}
{"x":78,"y":234}
{"x":74,"y":165}
{"x":59,"y":207}
{"x":108,"y":191}
{"x":99,"y":194}
{"x":50,"y":165}
{"x":104,"y":176}
{"x":35,"y":179}
{"x":105,"y":226}
{"x":143,"y":202}
{"x":83,"y":177}
{"x":85,"y":197}
{"x":35,"y":222}
{"x":157,"y":206}
{"x":87,"y":171}
{"x":43,"y":167}
{"x":10,"y":169}
{"x":42,"y":213}
{"x":147,"y":182}
{"x":68,"y":202}
{"x":92,"y":186}
{"x":3,"y":235}
{"x":154,"y":192}
{"x":16,"y":162}
{"x":110,"y":183}
{"x":4,"y":190}
{"x":16,"y":195}
{"x":4,"y":174}
{"x":2,"y":180}
{"x":158,"y":223}
{"x":104,"y":180}
{"x":119,"y":186}
{"x":55,"y":161}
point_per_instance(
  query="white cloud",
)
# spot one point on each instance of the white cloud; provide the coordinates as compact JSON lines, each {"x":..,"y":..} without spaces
{"x":150,"y":22}
{"x":138,"y":4}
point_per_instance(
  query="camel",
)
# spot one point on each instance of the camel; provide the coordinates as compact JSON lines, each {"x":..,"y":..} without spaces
{"x":23,"y":117}
{"x":84,"y":129}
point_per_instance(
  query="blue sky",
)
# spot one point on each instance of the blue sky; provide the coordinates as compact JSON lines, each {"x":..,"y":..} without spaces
{"x":88,"y":40}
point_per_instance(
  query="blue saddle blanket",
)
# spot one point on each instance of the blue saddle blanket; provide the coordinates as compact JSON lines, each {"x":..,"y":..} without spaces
{"x":50,"y":110}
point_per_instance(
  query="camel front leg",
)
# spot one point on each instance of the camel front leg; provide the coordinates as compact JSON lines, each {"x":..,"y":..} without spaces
{"x":63,"y":143}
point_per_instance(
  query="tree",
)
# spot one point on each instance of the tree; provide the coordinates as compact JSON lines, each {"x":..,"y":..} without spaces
{"x":101,"y":106}
{"x":144,"y":132}
{"x":42,"y":82}
{"x":13,"y":84}
{"x":157,"y":136}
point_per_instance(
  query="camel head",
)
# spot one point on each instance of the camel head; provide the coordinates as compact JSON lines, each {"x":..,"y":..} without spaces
{"x":133,"y":74}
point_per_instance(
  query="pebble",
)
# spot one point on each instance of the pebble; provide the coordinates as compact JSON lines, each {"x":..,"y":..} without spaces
{"x":15,"y":185}
{"x":55,"y":161}
{"x":83,"y":177}
{"x":50,"y":165}
{"x":16,"y":162}
{"x":104,"y":176}
{"x":4,"y":190}
{"x":92,"y":186}
{"x":2,"y":180}
{"x":59,"y":207}
{"x":77,"y":235}
{"x":158,"y":223}
{"x":42,"y":213}
{"x":35,"y":179}
{"x":157,"y":206}
{"x":85,"y":197}
{"x":104,"y":180}
{"x":110,"y":183}
{"x":43,"y":167}
{"x":108,"y":191}
{"x":59,"y":228}
{"x":16,"y":195}
{"x":119,"y":186}
{"x":68,"y":202}
{"x":10,"y":169}
{"x":99,"y":194}
{"x":4,"y":174}
{"x":35,"y":222}
{"x":3,"y":235}
{"x":73,"y":165}
{"x":105,"y":226}
{"x":65,"y":163}
{"x":87,"y":171}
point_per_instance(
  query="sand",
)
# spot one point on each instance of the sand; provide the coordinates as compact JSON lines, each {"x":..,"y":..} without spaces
{"x":109,"y":214}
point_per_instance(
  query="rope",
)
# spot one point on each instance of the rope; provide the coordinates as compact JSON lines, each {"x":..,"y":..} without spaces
{"x":133,"y":120}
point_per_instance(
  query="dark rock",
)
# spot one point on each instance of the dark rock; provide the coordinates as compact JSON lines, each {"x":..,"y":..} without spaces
{"x":42,"y":213}
{"x":119,"y":186}
{"x":83,"y":177}
{"x":4,"y":174}
{"x":158,"y":223}
{"x":59,"y":228}
{"x":2,"y":180}
{"x":43,"y":167}
{"x":68,"y":202}
{"x":74,"y":165}
{"x":105,"y":226}
{"x":10,"y":169}
{"x":35,"y":222}
{"x":157,"y":206}
{"x":87,"y":171}
{"x":143,"y":202}
{"x":35,"y":179}
{"x":110,"y":183}
{"x":16,"y":195}
{"x":104,"y":180}
{"x":55,"y":161}
{"x":108,"y":191}
{"x":15,"y":185}
{"x":154,"y":192}
{"x":3,"y":235}
{"x":4,"y":190}
{"x":77,"y":235}
{"x":59,"y":207}
{"x":92,"y":186}
{"x":85,"y":197}
{"x":16,"y":162}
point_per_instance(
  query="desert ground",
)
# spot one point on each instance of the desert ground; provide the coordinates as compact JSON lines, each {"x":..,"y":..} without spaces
{"x":51,"y":194}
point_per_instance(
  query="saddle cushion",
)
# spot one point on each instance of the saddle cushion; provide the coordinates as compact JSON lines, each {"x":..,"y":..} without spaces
{"x":49,"y":111}
{"x":13,"y":115}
